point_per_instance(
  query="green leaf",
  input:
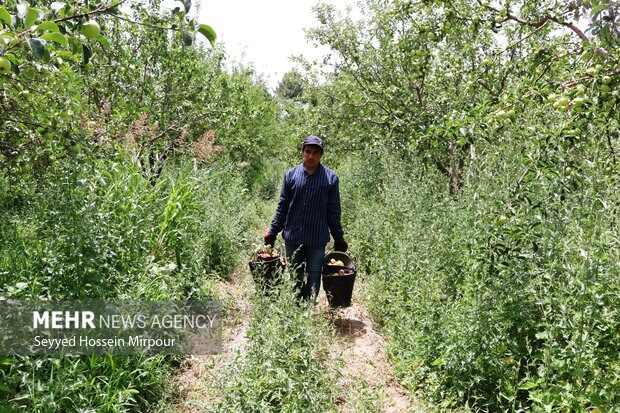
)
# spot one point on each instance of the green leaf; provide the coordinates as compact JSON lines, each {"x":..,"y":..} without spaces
{"x":597,"y":9}
{"x":104,"y":42}
{"x":39,"y":48}
{"x":48,"y":27}
{"x":207,"y":32}
{"x":31,"y":16}
{"x":529,"y":385}
{"x":86,"y":54}
{"x":6,"y":361}
{"x":5,"y":16}
{"x":56,"y":37}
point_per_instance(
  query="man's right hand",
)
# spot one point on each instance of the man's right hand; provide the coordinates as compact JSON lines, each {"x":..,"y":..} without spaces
{"x":270,"y":239}
{"x":341,"y":245}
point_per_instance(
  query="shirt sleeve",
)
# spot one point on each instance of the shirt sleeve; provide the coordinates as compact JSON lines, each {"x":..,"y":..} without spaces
{"x":333,"y":209}
{"x":279,"y":219}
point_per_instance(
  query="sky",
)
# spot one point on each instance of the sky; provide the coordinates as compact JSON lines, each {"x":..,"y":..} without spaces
{"x":265,"y":32}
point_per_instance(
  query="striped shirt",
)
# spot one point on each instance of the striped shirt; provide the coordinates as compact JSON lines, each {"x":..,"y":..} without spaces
{"x":309,"y":207}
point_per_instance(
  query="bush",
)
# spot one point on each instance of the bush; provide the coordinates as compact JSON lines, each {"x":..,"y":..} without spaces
{"x":283,"y":368}
{"x":504,"y":299}
{"x":101,"y":230}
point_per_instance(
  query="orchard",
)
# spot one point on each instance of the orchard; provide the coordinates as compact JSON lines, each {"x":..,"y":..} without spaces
{"x":477,"y":146}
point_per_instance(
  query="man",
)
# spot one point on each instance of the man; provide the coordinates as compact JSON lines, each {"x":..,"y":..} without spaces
{"x":308,"y":210}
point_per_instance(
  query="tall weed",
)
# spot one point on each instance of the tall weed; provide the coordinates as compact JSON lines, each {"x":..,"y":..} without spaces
{"x":93,"y":228}
{"x":283,"y":367}
{"x":504,"y":299}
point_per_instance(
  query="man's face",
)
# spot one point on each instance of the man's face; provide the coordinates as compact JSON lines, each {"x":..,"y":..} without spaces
{"x":312,"y":155}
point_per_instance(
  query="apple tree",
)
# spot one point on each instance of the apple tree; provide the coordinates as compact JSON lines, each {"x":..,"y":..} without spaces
{"x":48,"y":55}
{"x":435,"y":77}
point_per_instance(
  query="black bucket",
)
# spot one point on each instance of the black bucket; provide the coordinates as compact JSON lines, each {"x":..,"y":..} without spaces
{"x":338,"y":288}
{"x":267,"y":273}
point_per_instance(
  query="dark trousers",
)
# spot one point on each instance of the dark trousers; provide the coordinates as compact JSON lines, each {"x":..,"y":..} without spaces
{"x":306,"y":259}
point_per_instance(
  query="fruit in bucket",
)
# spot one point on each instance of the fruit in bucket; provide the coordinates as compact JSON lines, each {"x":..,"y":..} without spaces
{"x":267,"y":252}
{"x":340,"y":272}
{"x":333,"y":261}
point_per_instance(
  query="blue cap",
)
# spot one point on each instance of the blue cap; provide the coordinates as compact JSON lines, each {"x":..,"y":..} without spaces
{"x":313,"y":140}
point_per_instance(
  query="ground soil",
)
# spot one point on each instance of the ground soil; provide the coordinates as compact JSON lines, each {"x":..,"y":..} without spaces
{"x":362,"y":351}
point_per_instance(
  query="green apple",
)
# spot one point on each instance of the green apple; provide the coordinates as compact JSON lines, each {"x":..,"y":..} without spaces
{"x":606,"y":80}
{"x":578,"y":101}
{"x":5,"y":65}
{"x":591,"y":71}
{"x":580,"y":89}
{"x":563,"y":101}
{"x":91,"y":29}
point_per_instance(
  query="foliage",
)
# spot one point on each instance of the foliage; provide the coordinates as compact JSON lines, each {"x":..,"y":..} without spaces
{"x":504,"y":300}
{"x":483,"y":288}
{"x":283,"y":368}
{"x":477,"y":146}
{"x":433,"y":75}
{"x":291,"y":86}
{"x":99,"y":229}
{"x":54,"y":32}
{"x":89,"y":83}
{"x":72,"y":383}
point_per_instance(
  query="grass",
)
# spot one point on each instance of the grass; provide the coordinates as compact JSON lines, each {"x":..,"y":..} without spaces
{"x":505,"y":299}
{"x":99,"y":229}
{"x":283,"y":367}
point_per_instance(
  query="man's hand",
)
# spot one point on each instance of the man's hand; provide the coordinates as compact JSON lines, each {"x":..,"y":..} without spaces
{"x":341,"y":245}
{"x":270,"y":239}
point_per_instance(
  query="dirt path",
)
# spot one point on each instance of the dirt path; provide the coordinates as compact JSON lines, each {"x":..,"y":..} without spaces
{"x":366,"y":380}
{"x":198,"y":373}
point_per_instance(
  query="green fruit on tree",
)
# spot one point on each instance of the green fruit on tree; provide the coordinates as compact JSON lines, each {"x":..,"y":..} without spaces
{"x":13,"y":42}
{"x":562,"y":102}
{"x":91,"y":29}
{"x":578,"y":101}
{"x":552,"y":97}
{"x":591,"y":71}
{"x":606,"y":80}
{"x":604,"y":89}
{"x":580,"y":89}
{"x":5,"y":65}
